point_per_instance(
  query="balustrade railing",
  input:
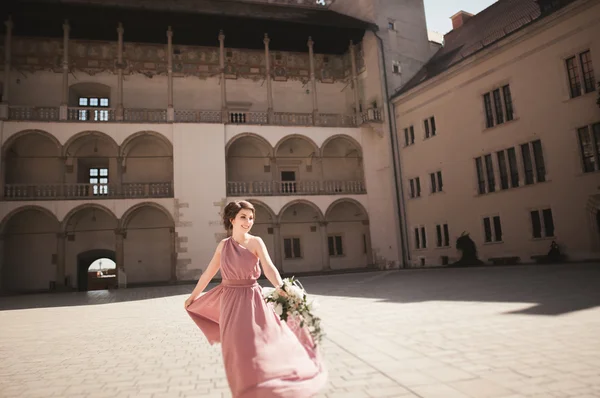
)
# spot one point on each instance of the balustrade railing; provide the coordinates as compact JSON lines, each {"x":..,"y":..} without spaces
{"x":292,"y":119}
{"x":87,"y":191}
{"x":90,"y":114}
{"x":132,"y":115}
{"x":145,"y":115}
{"x":34,"y":113}
{"x":197,"y":116}
{"x":248,"y":117}
{"x":276,"y":188}
{"x":372,"y":115}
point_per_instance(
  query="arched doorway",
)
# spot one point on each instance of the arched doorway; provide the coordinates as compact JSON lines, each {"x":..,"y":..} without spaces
{"x":348,"y":236}
{"x":302,"y":237}
{"x":91,"y":279}
{"x":91,"y":234}
{"x":149,"y":245}
{"x":29,"y":250}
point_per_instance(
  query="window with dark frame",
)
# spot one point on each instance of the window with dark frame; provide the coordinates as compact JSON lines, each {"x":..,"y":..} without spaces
{"x":480,"y":176}
{"x":580,"y":73}
{"x":426,"y":123}
{"x":415,"y":187}
{"x":513,"y":167}
{"x":98,"y":178}
{"x":527,"y":164}
{"x":489,"y":115}
{"x":291,"y":248}
{"x":436,"y":182}
{"x":498,"y":105}
{"x":589,"y":147}
{"x":430,"y":129}
{"x":538,"y":157}
{"x":93,"y":114}
{"x":489,"y":170}
{"x":492,"y":228}
{"x":542,"y":223}
{"x":503,"y":170}
{"x":423,"y":238}
{"x":443,"y":238}
{"x":335,"y":246}
{"x":409,"y":136}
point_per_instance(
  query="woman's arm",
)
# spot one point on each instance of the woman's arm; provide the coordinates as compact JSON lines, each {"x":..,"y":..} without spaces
{"x":207,"y":275}
{"x":269,"y":269}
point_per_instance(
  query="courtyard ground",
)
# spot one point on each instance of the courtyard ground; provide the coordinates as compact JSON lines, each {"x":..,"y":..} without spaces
{"x":505,"y":332}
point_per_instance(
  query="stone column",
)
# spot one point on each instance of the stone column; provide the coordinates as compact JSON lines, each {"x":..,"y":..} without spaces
{"x":120,"y":110}
{"x":120,"y":257}
{"x":64,"y":104}
{"x":173,"y":251}
{"x":355,"y":83}
{"x":224,"y":115}
{"x":61,"y":239}
{"x":313,"y":80}
{"x":268,"y":78}
{"x":4,"y":111}
{"x":277,"y":247}
{"x":324,"y":245}
{"x":170,"y":109}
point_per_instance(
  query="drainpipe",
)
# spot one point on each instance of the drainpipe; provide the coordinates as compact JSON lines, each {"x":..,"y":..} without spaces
{"x":396,"y":161}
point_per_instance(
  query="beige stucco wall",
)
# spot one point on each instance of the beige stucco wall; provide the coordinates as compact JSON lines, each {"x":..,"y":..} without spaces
{"x":532,"y":62}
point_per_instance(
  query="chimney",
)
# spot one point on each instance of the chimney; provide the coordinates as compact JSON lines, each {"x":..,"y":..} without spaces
{"x":459,"y":19}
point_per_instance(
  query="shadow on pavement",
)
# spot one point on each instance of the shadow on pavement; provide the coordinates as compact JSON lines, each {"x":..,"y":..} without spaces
{"x":550,"y":289}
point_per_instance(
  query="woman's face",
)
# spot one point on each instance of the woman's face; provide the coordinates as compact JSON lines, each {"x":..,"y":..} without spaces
{"x":243,"y":221}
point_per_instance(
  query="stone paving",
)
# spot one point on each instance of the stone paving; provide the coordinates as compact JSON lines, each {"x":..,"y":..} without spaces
{"x":502,"y":332}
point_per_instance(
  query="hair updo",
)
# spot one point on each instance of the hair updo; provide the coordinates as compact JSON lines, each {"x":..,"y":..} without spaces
{"x":231,"y":211}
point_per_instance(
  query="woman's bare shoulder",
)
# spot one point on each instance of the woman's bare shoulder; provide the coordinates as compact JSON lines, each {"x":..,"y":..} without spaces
{"x":221,"y":244}
{"x":256,"y":242}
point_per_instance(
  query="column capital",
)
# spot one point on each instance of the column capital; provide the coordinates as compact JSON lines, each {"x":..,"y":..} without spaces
{"x":310,"y":42}
{"x":323,"y":223}
{"x":61,"y":235}
{"x":266,"y":40}
{"x":221,"y":36}
{"x":120,"y":232}
{"x":120,"y":29}
{"x":169,"y":33}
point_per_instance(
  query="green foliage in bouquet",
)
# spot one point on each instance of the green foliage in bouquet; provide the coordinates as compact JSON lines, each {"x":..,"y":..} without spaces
{"x":294,"y":302}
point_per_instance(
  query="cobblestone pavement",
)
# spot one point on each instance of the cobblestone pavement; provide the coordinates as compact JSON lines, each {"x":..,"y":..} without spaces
{"x":506,"y":332}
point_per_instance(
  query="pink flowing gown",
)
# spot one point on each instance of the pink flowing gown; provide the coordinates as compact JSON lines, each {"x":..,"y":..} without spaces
{"x":263,"y":356}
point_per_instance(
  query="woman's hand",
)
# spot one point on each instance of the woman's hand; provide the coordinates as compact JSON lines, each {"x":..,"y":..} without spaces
{"x":188,"y":302}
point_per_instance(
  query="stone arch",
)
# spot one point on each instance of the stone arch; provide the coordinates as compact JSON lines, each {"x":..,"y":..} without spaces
{"x":31,"y":157}
{"x":348,"y":234}
{"x":320,"y":217}
{"x":17,"y":136}
{"x":130,"y":213}
{"x":346,"y":138}
{"x":21,"y":209}
{"x":356,"y":203}
{"x":88,"y":89}
{"x":342,"y":161}
{"x":248,"y":159}
{"x":146,"y":157}
{"x":30,"y":238}
{"x":68,"y":218}
{"x":255,"y":136}
{"x":91,"y":134}
{"x":287,"y":138}
{"x":267,"y":208}
{"x":144,"y":263}
{"x":129,"y":142}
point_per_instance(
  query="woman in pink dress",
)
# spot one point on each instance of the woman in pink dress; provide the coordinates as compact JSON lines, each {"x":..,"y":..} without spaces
{"x":263,"y":356}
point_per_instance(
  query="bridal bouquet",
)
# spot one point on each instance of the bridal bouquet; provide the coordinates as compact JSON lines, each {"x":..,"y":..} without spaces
{"x":295,"y":303}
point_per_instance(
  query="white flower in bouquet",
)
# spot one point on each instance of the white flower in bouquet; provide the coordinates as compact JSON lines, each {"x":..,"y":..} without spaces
{"x":293,"y":302}
{"x":279,"y":309}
